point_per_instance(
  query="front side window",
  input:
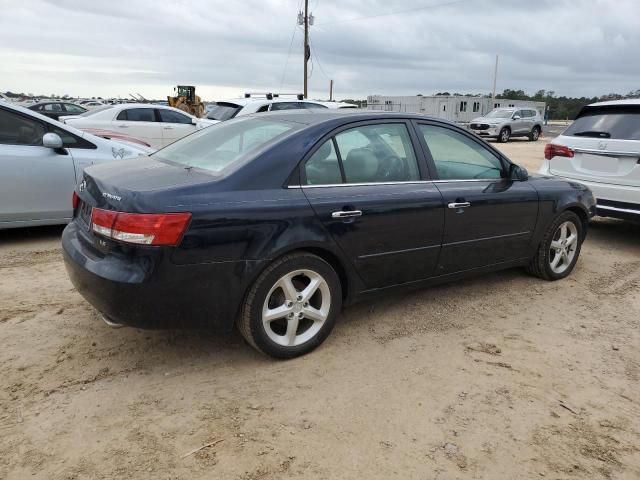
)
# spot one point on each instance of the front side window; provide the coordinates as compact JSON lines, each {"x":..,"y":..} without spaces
{"x":458,"y":157}
{"x":225,"y":144}
{"x":69,"y":107}
{"x":169,"y":116}
{"x":137,"y":115}
{"x":18,"y":130}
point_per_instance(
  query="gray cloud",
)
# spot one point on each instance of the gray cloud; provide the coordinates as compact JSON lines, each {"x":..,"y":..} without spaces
{"x":575,"y":47}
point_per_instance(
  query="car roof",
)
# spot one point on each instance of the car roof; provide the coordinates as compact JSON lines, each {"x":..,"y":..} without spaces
{"x":627,"y":101}
{"x":244,"y":101}
{"x":318,"y":116}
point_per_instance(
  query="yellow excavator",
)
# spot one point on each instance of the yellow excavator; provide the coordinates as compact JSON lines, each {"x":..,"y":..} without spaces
{"x":187,"y":100}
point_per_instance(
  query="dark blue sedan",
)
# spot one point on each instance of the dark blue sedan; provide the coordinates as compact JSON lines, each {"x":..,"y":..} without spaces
{"x":274,"y":222}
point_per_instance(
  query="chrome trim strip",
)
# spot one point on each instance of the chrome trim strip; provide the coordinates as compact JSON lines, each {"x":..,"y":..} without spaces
{"x":508,"y":235}
{"x":416,"y":182}
{"x":606,"y":153}
{"x":616,"y":209}
{"x":397,"y":252}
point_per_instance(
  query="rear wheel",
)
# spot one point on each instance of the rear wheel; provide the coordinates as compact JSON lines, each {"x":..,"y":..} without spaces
{"x":535,"y":134}
{"x":559,"y":250}
{"x":504,"y":135}
{"x":292,"y":306}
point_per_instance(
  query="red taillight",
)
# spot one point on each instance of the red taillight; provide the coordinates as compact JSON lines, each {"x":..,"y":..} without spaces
{"x":552,"y":150}
{"x":140,"y":228}
{"x":75,"y":200}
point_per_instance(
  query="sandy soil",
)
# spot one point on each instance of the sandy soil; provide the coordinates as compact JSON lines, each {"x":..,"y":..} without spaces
{"x":500,"y":377}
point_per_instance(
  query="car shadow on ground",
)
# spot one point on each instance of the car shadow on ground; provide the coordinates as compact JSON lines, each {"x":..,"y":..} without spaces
{"x":19,"y":236}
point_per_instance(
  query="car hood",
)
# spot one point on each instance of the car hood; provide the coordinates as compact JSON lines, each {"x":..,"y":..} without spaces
{"x":490,"y":121}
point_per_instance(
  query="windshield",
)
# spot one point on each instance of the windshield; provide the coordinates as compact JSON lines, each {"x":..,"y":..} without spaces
{"x":498,"y":113}
{"x":616,"y":123}
{"x":88,"y":113}
{"x":224,"y":144}
{"x":223,"y":111}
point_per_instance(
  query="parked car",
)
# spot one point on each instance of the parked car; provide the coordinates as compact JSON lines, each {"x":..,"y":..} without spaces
{"x":56,"y":109}
{"x":275,"y":221}
{"x":154,"y":124}
{"x":506,"y":123}
{"x":252,"y":103}
{"x":601,"y":149}
{"x":118,"y":136}
{"x":339,"y":105}
{"x":41,"y":161}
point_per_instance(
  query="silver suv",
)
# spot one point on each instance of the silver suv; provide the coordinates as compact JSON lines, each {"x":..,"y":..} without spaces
{"x":504,"y":123}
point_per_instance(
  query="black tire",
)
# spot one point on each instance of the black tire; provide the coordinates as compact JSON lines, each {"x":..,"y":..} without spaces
{"x":540,"y":265}
{"x":504,"y":135}
{"x":250,"y":322}
{"x":535,"y":134}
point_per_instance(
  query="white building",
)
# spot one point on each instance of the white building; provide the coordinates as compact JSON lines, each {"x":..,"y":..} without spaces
{"x":459,"y":108}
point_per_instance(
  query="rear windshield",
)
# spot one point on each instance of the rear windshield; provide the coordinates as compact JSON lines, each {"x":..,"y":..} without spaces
{"x":226,"y":144}
{"x":223,"y":111}
{"x":616,"y":123}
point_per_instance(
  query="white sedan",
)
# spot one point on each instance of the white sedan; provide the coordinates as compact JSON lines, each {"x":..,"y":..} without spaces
{"x":155,"y":124}
{"x":41,"y":161}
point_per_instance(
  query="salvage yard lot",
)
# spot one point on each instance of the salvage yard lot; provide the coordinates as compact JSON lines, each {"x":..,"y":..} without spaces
{"x":502,"y":376}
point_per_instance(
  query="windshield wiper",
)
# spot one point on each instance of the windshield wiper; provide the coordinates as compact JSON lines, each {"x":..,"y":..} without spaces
{"x":592,"y":133}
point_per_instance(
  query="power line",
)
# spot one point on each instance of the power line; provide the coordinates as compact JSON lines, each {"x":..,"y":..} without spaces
{"x":317,"y":57}
{"x":425,"y":7}
{"x":286,"y":63}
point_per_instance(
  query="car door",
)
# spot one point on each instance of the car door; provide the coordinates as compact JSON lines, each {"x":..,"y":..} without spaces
{"x":140,"y":123}
{"x":489,"y":219}
{"x":366,"y":185}
{"x":175,"y":125}
{"x":36,"y":182}
{"x":519,"y":126}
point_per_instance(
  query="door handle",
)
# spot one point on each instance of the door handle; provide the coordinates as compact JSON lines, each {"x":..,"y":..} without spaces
{"x":347,"y":214}
{"x":123,"y":126}
{"x":168,"y":128}
{"x":459,"y":205}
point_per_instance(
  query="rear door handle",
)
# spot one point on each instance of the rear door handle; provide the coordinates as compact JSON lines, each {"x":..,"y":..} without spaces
{"x":347,"y":214}
{"x":123,"y":126}
{"x":169,"y":127}
{"x":459,"y":205}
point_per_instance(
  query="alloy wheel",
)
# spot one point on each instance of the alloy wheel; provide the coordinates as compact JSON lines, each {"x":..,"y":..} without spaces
{"x":563,"y":247}
{"x":504,"y":135}
{"x":296,"y":307}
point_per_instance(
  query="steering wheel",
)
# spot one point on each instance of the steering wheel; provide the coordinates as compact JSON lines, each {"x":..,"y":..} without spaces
{"x":391,"y":168}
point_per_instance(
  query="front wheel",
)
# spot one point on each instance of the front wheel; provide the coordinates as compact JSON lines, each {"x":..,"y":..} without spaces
{"x":504,"y":135}
{"x":291,"y":308}
{"x":559,"y":250}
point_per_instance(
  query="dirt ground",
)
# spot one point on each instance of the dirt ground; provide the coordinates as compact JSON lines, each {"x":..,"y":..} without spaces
{"x":500,"y":377}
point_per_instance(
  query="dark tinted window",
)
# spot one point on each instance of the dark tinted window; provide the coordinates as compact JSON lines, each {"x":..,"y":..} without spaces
{"x":169,"y":116}
{"x":617,"y":123}
{"x":314,"y":105}
{"x":263,"y":108}
{"x":223,"y":111}
{"x":457,"y":157}
{"x":137,"y":115}
{"x":287,"y":106}
{"x":18,"y":130}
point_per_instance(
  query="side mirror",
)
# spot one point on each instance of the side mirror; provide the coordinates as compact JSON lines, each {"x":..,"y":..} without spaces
{"x":52,"y":140}
{"x":194,"y":121}
{"x":516,"y":117}
{"x":518,"y":173}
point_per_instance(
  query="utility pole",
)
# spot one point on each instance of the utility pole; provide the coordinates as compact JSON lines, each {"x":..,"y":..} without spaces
{"x":306,"y":44}
{"x":331,"y":90}
{"x":495,"y":76}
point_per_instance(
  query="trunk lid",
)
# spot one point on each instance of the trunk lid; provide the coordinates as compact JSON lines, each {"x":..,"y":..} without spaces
{"x":600,"y":160}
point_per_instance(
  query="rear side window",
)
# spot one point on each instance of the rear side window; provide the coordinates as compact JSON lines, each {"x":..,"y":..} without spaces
{"x":53,"y":107}
{"x":137,"y":115}
{"x":18,"y":130}
{"x":367,"y":154}
{"x":458,"y":157}
{"x":169,"y":116}
{"x":615,"y":123}
{"x":221,"y":146}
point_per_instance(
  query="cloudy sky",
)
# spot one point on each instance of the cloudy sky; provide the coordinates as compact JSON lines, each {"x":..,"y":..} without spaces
{"x":394,"y":47}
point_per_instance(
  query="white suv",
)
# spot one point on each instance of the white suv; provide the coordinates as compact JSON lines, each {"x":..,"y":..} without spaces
{"x":601,"y":149}
{"x":256,"y":103}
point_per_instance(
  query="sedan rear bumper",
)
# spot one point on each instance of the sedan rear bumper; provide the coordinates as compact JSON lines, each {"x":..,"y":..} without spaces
{"x":145,"y":289}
